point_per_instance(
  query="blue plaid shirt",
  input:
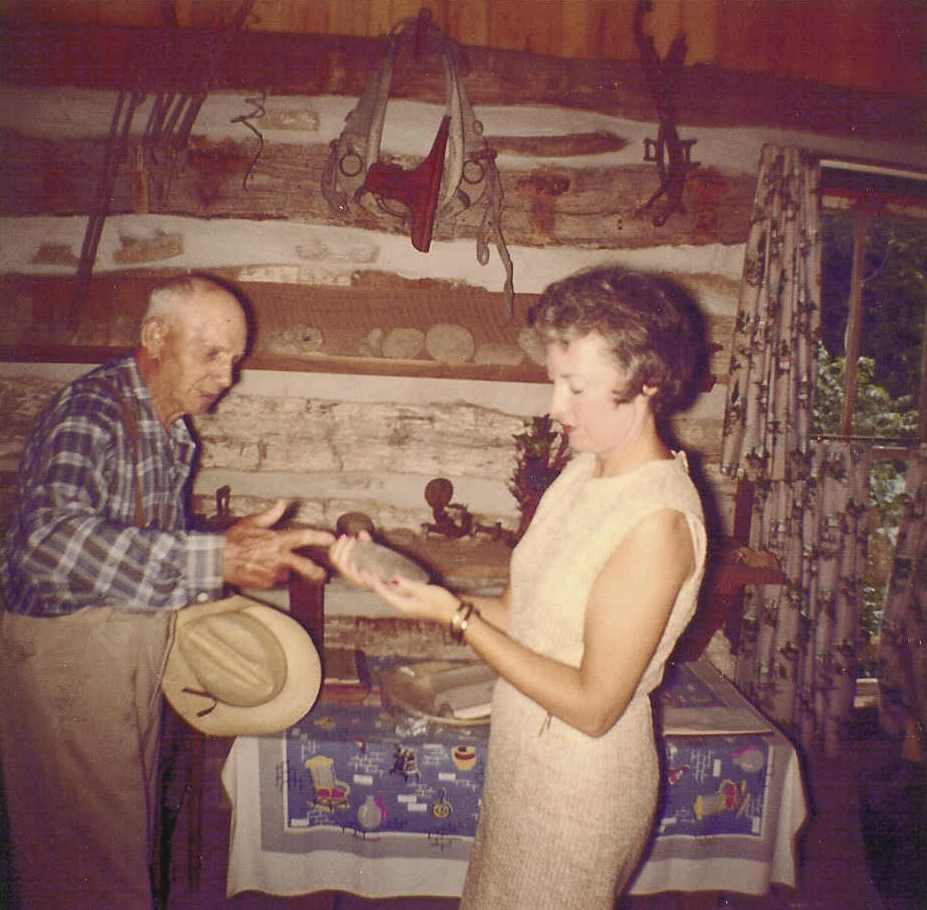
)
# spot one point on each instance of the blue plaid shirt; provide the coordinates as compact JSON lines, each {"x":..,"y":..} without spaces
{"x":73,"y":542}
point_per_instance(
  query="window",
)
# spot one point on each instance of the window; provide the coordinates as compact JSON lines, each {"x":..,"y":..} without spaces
{"x":871,"y":381}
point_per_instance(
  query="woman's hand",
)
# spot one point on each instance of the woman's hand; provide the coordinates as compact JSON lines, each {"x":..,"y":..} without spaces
{"x":341,"y":556}
{"x":417,"y":600}
{"x":413,"y":599}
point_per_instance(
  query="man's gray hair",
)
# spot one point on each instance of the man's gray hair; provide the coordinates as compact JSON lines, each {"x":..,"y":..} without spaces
{"x":169,"y":299}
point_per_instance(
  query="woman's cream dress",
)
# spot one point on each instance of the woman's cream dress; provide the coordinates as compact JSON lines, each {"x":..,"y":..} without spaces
{"x":565,"y":816}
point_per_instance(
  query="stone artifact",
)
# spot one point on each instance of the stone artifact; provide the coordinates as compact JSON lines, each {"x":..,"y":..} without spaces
{"x":386,"y":563}
{"x":450,"y":343}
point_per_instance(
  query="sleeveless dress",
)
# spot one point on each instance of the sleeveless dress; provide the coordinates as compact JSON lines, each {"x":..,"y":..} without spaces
{"x":565,"y":817}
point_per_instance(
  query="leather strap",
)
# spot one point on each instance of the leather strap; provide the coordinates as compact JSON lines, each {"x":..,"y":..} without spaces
{"x":130,"y":422}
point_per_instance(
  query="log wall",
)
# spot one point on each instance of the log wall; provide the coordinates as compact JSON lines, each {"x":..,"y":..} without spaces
{"x":375,"y":367}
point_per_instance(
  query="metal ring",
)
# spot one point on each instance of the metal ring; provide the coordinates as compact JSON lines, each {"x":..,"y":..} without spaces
{"x":343,"y":168}
{"x":470,"y":165}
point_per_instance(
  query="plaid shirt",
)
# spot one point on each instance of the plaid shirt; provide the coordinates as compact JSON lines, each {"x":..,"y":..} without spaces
{"x":74,"y":542}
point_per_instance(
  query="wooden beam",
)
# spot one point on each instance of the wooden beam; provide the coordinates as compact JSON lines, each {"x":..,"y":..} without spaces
{"x":309,"y":363}
{"x":557,"y":204}
{"x":91,"y":57}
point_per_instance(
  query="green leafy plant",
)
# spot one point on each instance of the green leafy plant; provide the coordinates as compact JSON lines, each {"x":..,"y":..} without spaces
{"x":878,"y":414}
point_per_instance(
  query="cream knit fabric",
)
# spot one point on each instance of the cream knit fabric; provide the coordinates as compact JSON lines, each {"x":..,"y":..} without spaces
{"x":565,"y":816}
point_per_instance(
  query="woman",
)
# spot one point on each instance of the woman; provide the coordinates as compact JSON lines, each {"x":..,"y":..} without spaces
{"x":601,"y":586}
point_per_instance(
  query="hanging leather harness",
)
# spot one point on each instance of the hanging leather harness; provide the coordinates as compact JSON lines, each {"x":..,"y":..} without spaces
{"x":458,"y":174}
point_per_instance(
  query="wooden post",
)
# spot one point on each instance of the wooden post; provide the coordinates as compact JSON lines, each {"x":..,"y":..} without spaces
{"x":307,"y":606}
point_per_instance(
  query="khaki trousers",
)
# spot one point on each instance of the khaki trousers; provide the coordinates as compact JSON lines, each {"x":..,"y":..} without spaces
{"x":80,"y":711}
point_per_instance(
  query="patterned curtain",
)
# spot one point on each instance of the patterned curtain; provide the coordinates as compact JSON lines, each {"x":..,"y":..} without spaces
{"x":902,"y":651}
{"x":799,"y":642}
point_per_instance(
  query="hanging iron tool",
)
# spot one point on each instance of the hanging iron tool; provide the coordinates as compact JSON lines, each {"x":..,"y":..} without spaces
{"x":671,"y":154}
{"x":166,"y":135}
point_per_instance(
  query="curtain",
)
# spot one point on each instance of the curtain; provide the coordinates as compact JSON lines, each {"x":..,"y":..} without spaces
{"x":800,"y":639}
{"x":902,"y":649}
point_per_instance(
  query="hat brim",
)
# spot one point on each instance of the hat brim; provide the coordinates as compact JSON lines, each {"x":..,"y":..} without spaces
{"x":292,"y":702}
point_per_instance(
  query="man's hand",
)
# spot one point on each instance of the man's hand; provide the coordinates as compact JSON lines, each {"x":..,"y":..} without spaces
{"x":257,"y":557}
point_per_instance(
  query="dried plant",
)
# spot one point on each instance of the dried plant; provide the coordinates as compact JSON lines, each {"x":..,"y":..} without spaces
{"x":540,"y":455}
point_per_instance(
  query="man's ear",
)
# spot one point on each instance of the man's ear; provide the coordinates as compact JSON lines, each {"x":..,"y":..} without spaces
{"x":152,"y":337}
{"x":650,"y":390}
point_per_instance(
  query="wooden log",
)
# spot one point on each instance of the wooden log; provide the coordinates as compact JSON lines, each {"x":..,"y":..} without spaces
{"x":595,"y":207}
{"x":156,"y":59}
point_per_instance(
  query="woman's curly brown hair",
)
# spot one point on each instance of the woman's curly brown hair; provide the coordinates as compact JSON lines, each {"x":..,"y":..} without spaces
{"x":650,"y":324}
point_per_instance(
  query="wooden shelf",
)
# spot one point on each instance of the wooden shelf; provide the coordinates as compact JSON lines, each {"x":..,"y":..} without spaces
{"x":316,"y":363}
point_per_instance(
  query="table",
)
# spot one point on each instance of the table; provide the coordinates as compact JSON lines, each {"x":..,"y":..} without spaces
{"x":357,"y":799}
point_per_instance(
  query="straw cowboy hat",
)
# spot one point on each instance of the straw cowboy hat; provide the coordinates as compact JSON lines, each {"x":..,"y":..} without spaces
{"x":237,"y":668}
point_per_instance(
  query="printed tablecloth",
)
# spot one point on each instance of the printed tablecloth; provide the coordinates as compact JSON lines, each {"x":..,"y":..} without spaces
{"x":358,"y":799}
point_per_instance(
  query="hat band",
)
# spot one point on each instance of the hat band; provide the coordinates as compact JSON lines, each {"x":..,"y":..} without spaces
{"x":202,"y":694}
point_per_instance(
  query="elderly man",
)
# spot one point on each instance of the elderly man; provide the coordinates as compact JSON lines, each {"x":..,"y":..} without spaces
{"x":97,"y":560}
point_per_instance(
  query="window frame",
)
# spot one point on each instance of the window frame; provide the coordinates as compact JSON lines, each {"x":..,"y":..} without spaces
{"x":871,"y":190}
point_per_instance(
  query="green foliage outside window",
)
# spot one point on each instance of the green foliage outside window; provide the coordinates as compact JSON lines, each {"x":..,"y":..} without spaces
{"x":894,"y":304}
{"x":894,"y":298}
{"x":877,"y":415}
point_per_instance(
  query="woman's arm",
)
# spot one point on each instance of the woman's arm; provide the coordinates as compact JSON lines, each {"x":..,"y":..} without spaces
{"x":493,"y":610}
{"x":422,"y":601}
{"x":627,"y":611}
